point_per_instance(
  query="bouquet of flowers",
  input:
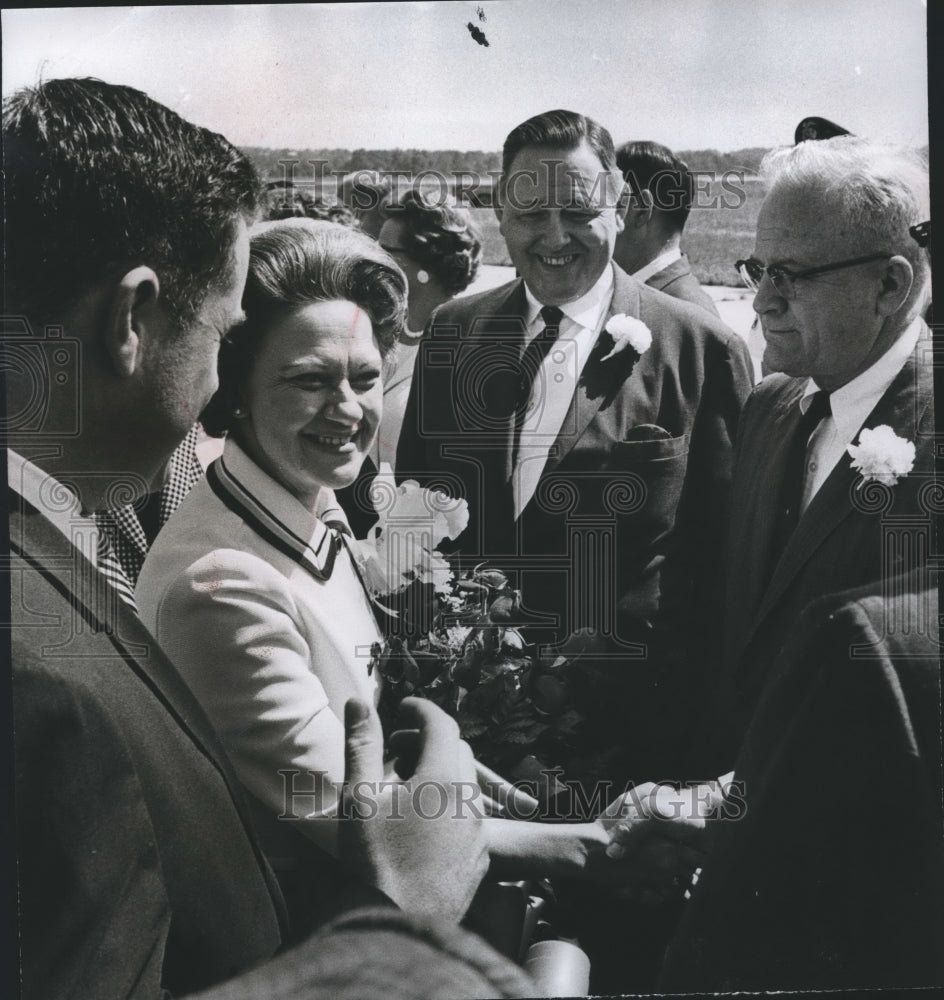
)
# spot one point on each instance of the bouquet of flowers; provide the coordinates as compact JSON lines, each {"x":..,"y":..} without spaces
{"x":452,"y":638}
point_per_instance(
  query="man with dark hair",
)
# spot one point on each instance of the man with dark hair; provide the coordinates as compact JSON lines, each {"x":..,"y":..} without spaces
{"x":649,"y":247}
{"x":77,"y":223}
{"x":589,"y":421}
{"x":139,"y":874}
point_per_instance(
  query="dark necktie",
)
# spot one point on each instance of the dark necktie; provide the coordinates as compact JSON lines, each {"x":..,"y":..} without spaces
{"x":531,"y":360}
{"x":791,"y":493}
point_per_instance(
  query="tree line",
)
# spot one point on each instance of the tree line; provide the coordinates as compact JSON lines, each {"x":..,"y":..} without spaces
{"x":275,"y":164}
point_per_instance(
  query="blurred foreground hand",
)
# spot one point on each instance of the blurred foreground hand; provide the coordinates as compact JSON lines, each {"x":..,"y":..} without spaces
{"x":419,"y":837}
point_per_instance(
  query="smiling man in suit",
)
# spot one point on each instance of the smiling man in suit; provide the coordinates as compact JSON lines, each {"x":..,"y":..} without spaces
{"x":841,"y":285}
{"x":589,"y":421}
{"x":649,"y":247}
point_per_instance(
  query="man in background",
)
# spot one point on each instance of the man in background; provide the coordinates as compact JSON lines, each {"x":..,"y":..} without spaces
{"x":589,"y":421}
{"x":649,"y":247}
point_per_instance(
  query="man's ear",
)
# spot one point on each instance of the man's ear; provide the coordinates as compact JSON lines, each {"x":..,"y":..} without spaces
{"x":897,"y":281}
{"x":498,"y":198}
{"x":132,"y":310}
{"x":640,"y":209}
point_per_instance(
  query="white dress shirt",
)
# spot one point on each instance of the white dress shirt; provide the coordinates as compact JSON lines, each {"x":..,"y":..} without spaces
{"x":659,"y":264}
{"x":59,"y":505}
{"x":850,"y":406}
{"x":556,"y":383}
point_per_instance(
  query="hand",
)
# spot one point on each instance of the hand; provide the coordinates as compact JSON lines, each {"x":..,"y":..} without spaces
{"x":656,"y":840}
{"x":418,"y":836}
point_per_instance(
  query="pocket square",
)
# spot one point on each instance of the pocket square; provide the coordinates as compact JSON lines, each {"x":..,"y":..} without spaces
{"x":647,"y":432}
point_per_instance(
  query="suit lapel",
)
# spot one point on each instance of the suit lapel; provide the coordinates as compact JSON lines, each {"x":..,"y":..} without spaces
{"x":901,"y":407}
{"x":498,"y":324}
{"x":45,"y":549}
{"x":599,"y":379}
{"x":759,"y":494}
{"x":508,"y":321}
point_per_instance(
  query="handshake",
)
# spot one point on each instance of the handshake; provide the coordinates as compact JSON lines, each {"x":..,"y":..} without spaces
{"x":657,"y":836}
{"x":428,"y":853}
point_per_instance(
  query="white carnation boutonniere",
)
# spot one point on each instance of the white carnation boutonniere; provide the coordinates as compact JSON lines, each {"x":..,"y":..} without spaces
{"x":627,"y":331}
{"x":881,"y":455}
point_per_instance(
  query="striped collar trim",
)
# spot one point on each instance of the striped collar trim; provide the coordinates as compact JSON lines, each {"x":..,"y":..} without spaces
{"x":273,"y":513}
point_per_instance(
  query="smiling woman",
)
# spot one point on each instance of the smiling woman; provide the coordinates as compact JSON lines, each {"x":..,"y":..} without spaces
{"x":312,"y":398}
{"x":250,"y":586}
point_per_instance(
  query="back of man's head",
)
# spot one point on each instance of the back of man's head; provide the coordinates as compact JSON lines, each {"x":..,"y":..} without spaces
{"x":100,"y":178}
{"x":875,"y":191}
{"x":649,"y":166}
{"x":559,"y":130}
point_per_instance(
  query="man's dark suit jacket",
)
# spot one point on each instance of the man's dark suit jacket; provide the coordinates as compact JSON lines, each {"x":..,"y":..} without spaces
{"x":833,"y":876}
{"x":139,"y":873}
{"x":849,"y":536}
{"x":137,"y":870}
{"x":623,"y":533}
{"x":678,"y":281}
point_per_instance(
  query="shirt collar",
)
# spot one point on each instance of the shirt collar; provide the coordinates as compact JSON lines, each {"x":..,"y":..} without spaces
{"x":240,"y":466}
{"x":659,"y":264}
{"x":274,"y":514}
{"x":851,"y":403}
{"x":585,"y":311}
{"x":55,"y":501}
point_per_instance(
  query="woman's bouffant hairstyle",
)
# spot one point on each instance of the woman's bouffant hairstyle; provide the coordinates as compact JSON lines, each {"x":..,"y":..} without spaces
{"x":440,"y":238}
{"x":293,"y":263}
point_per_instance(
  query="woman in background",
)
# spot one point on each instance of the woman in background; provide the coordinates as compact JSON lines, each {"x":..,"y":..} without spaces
{"x":439,"y":250}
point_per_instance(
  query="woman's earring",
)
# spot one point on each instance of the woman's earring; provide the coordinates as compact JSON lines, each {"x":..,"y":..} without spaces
{"x":239,"y":413}
{"x":422,"y":277}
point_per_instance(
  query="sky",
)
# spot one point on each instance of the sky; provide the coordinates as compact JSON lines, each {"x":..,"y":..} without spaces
{"x":693,"y":74}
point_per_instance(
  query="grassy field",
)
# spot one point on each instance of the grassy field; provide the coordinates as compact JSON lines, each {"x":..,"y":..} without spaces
{"x":720,"y":229}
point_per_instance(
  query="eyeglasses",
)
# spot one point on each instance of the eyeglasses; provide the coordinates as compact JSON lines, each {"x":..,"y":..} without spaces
{"x":752,"y":272}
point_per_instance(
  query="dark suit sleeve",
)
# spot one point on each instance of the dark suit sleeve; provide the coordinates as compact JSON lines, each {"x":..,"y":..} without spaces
{"x":832,"y":873}
{"x":89,"y":872}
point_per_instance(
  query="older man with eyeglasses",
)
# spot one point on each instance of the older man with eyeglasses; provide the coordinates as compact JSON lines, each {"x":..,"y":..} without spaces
{"x":842,"y":277}
{"x":828,"y":708}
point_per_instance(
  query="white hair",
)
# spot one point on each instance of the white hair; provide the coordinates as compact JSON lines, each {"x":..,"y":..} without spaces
{"x":876,"y":190}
